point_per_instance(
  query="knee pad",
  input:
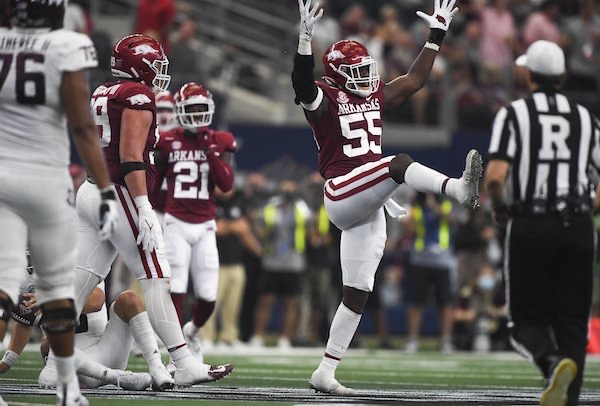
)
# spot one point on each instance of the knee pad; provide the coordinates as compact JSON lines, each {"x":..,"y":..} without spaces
{"x":61,"y":320}
{"x":398,"y":167}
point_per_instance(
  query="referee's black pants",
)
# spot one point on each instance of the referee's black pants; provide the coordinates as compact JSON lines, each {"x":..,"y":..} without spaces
{"x":549,"y":280}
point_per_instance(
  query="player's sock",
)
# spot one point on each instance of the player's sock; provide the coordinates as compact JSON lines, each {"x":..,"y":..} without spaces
{"x":178,"y":300}
{"x":202,"y":311}
{"x":163,"y":317}
{"x":88,"y":367}
{"x":344,"y":325}
{"x":424,"y":179}
{"x":142,"y":333}
{"x":65,"y":369}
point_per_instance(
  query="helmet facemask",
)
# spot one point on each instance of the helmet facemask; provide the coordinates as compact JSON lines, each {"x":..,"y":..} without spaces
{"x":166,"y":118}
{"x":161,"y":80}
{"x":362,"y":78}
{"x":195,"y":112}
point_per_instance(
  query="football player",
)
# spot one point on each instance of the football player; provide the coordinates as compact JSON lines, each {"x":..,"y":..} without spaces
{"x":166,"y":120}
{"x":344,"y":111}
{"x":195,"y":160}
{"x":42,"y":80}
{"x":125,"y":113}
{"x":101,"y":346}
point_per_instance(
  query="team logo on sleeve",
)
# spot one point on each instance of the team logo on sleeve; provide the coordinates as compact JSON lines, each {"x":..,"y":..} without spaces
{"x":342,"y":98}
{"x":139,"y":100}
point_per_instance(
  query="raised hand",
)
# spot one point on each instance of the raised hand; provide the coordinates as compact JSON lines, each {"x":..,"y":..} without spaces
{"x":442,"y":14}
{"x":308,"y":18}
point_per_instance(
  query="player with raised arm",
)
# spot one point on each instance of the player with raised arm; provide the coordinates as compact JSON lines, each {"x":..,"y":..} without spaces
{"x":125,"y":113}
{"x":344,"y":111}
{"x":42,"y":80}
{"x":196,"y":160}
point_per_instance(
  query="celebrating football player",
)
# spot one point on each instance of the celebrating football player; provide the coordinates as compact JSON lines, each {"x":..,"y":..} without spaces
{"x":43,"y":80}
{"x":125,"y":112}
{"x":344,"y":111}
{"x":195,"y":160}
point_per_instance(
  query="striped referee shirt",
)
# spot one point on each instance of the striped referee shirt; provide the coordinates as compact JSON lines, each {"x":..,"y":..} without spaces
{"x":551,"y":143}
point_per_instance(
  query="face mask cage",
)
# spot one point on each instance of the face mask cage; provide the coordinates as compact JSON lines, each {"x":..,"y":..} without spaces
{"x":362,"y":78}
{"x":162,"y":79}
{"x":195,"y":119}
{"x":166,"y":119}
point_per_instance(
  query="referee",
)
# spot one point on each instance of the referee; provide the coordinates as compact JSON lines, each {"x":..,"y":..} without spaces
{"x":541,"y":150}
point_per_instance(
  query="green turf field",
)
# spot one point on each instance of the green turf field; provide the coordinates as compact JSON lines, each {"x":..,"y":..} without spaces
{"x":273,"y":377}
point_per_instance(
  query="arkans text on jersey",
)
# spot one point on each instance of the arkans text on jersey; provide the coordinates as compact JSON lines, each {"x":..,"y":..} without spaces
{"x":197,"y":155}
{"x":349,"y":108}
{"x":25,"y":43}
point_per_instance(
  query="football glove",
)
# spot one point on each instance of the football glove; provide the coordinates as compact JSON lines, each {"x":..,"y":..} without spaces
{"x":308,"y":18}
{"x":149,"y":231}
{"x":442,"y":14}
{"x":108,"y":212}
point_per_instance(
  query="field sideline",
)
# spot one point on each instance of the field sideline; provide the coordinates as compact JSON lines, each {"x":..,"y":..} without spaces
{"x":273,"y":377}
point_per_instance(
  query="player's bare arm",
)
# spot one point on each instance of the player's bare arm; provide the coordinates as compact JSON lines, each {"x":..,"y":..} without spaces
{"x":18,"y":341}
{"x":135,"y":125}
{"x":75,"y":96}
{"x":495,"y":177}
{"x":307,"y":92}
{"x":402,"y":87}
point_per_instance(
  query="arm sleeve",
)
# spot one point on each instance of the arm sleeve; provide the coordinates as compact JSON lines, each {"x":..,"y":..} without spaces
{"x":302,"y":79}
{"x":503,"y":143}
{"x":221,"y":172}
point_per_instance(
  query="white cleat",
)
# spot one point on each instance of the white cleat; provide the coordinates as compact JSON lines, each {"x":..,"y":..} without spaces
{"x":326,"y":383}
{"x":563,"y":374}
{"x":69,"y":395}
{"x":133,"y":380}
{"x":193,"y":341}
{"x":161,"y":378}
{"x":171,"y":368}
{"x":47,"y":378}
{"x":201,"y":373}
{"x":468,"y":193}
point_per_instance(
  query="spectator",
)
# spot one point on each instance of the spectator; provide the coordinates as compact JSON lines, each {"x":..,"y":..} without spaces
{"x":155,"y":19}
{"x":542,"y":25}
{"x":233,"y":236}
{"x":183,"y":56}
{"x":432,"y":264}
{"x":329,"y":32}
{"x":285,"y":224}
{"x":583,"y":35}
{"x":498,"y":37}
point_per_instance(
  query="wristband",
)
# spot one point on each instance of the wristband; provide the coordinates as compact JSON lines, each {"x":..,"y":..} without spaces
{"x":304,"y":46}
{"x":10,"y":358}
{"x":108,"y":193}
{"x":431,"y":45}
{"x":142,"y":202}
{"x":436,"y":36}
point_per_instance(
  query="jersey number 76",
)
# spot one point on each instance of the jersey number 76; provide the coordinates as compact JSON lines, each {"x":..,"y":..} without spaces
{"x":35,"y":92}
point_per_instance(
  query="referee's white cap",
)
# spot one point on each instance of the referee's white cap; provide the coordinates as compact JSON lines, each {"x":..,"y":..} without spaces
{"x":543,"y":57}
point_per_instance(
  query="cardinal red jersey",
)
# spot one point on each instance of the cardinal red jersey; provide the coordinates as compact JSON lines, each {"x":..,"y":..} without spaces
{"x":158,"y":196}
{"x":349,"y":134}
{"x":190,"y":188}
{"x":108,"y":102}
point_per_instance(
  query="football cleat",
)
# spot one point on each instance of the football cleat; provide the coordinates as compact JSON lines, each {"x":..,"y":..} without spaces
{"x":69,"y":395}
{"x":563,"y":374}
{"x":133,"y":380}
{"x":193,"y":341}
{"x":161,"y":378}
{"x":201,"y":373}
{"x":326,"y":383}
{"x":468,"y":192}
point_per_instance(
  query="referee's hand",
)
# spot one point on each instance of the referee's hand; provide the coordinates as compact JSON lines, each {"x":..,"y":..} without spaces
{"x":501,"y":215}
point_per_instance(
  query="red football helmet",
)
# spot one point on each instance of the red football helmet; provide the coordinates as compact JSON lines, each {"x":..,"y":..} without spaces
{"x":194,"y":106}
{"x":165,"y":111}
{"x":141,"y":58}
{"x":349,"y":64}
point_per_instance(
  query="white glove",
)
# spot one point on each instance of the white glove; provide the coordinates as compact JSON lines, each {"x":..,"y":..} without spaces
{"x":308,"y":19}
{"x":442,"y":15}
{"x":108,"y":212}
{"x":149,"y":231}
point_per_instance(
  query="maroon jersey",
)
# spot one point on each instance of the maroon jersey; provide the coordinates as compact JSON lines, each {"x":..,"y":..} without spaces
{"x":108,"y":102}
{"x":190,"y":183}
{"x":158,"y":196}
{"x":349,"y":134}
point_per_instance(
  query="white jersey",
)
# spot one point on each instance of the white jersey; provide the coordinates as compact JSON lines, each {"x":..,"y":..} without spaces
{"x":91,"y":327}
{"x":32,"y":120}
